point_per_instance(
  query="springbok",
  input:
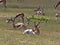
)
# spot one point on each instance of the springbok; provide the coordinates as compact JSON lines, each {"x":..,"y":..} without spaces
{"x":40,"y":11}
{"x":57,"y":4}
{"x":9,"y":20}
{"x":57,"y":15}
{"x":33,"y":31}
{"x":17,"y":25}
{"x":21,"y":16}
{"x":4,"y":2}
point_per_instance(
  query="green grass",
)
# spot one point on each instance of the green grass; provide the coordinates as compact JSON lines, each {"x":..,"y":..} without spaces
{"x":49,"y":32}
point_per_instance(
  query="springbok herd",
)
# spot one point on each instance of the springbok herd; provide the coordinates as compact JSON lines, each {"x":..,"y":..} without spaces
{"x":19,"y":25}
{"x":35,"y":30}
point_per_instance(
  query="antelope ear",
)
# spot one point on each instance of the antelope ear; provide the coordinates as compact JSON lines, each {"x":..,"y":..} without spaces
{"x":38,"y":23}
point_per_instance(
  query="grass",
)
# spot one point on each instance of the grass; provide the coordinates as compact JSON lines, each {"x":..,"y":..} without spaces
{"x":15,"y":37}
{"x":49,"y":32}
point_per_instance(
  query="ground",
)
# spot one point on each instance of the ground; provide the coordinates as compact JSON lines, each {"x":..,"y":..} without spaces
{"x":49,"y":32}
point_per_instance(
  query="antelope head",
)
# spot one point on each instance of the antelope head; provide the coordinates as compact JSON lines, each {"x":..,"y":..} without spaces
{"x":36,"y":27}
{"x":9,"y":20}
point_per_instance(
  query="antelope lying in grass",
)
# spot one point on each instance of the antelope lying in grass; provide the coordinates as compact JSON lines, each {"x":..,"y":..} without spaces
{"x":17,"y":25}
{"x":40,"y":11}
{"x":21,"y":16}
{"x":9,"y":20}
{"x":33,"y":31}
